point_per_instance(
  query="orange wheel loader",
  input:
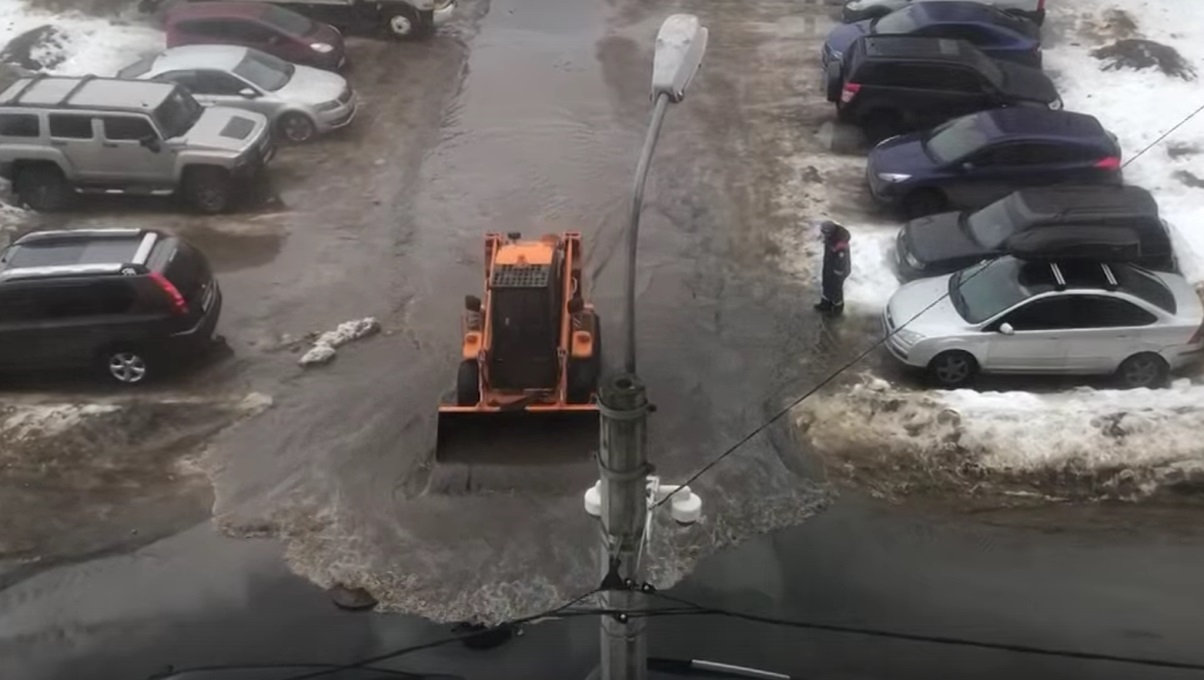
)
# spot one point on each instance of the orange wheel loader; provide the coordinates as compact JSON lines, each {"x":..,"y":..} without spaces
{"x":531,"y":347}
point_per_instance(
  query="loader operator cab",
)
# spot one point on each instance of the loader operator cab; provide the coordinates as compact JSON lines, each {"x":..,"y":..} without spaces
{"x":526,"y":289}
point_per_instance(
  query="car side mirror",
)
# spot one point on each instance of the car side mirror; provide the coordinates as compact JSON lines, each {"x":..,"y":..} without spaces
{"x":1006,"y":328}
{"x":150,"y":142}
{"x":248,"y":93}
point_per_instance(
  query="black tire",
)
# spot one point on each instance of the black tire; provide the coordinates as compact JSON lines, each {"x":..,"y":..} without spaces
{"x":952,"y":369}
{"x":584,"y":375}
{"x":44,"y":188}
{"x":880,"y":124}
{"x":468,"y":384}
{"x":835,"y":81}
{"x":126,"y":366}
{"x":402,"y":23}
{"x":296,"y":127}
{"x":923,"y":202}
{"x":208,"y":190}
{"x":1143,"y":370}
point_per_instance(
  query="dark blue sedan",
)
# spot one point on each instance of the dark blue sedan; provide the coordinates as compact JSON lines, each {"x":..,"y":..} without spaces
{"x":972,"y":161}
{"x":999,"y":34}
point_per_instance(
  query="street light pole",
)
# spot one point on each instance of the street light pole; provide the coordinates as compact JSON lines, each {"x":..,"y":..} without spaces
{"x":622,"y":400}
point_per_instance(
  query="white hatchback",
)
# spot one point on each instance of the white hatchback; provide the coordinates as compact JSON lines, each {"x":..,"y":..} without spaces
{"x":1034,"y":317}
{"x":300,"y":100}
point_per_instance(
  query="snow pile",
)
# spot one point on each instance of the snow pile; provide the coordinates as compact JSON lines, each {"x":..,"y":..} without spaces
{"x":71,"y":43}
{"x":45,"y":420}
{"x":1118,"y":442}
{"x":1133,"y":66}
{"x":324,"y":346}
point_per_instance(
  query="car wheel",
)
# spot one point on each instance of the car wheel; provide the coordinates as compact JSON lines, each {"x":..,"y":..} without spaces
{"x":952,"y":369}
{"x":208,"y":190}
{"x":296,"y":127}
{"x":44,"y":188}
{"x":126,"y":366}
{"x":403,"y":23}
{"x":880,"y":124}
{"x":923,"y":202}
{"x":1143,"y":370}
{"x":468,"y":384}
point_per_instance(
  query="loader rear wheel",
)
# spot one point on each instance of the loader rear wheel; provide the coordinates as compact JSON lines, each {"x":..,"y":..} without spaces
{"x":583,"y":375}
{"x":468,"y":384}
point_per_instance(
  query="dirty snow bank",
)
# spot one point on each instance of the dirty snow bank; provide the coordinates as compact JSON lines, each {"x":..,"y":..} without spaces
{"x":1113,"y":443}
{"x":1133,"y":64}
{"x":324,"y":346}
{"x":72,"y":43}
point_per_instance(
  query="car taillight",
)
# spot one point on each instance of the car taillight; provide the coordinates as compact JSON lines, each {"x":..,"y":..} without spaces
{"x":1109,"y":163}
{"x":1040,"y":5}
{"x":850,"y":90}
{"x":178,"y":305}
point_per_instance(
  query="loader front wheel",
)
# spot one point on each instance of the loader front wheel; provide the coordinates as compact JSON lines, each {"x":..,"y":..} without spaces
{"x":468,"y":384}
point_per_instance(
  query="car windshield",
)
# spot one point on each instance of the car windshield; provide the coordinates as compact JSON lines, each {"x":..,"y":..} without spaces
{"x":138,"y":68}
{"x":264,"y":70}
{"x":901,"y":21}
{"x":986,"y":289}
{"x":289,"y":21}
{"x":956,"y":140}
{"x":992,"y":225}
{"x":178,"y":113}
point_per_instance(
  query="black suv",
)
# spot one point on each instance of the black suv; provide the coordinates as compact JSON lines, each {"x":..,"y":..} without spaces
{"x":889,"y":85}
{"x":120,"y":300}
{"x":1097,"y":221}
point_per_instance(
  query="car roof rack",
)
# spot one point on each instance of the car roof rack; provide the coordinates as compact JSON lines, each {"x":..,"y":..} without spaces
{"x":1059,"y":280}
{"x":1109,"y":276}
{"x":70,"y":270}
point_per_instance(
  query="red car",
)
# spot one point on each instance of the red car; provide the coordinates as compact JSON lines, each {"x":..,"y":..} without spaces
{"x":261,"y":25}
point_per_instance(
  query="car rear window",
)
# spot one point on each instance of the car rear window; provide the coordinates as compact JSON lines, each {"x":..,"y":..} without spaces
{"x":185,"y":267}
{"x":74,"y":251}
{"x":1146,"y":286}
{"x":288,"y":21}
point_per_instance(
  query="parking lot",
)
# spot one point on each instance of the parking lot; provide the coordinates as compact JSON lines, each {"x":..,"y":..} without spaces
{"x":523,"y":117}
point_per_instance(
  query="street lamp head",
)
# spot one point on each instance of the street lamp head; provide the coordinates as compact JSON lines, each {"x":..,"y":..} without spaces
{"x":680,"y":44}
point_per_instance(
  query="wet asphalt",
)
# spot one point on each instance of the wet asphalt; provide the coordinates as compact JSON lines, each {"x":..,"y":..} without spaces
{"x":527,"y":115}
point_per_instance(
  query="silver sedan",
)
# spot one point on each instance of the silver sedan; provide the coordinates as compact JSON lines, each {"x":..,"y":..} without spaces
{"x":301,"y":101}
{"x":1013,"y":316}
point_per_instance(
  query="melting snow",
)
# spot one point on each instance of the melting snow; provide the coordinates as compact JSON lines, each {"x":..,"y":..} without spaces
{"x":325,"y":344}
{"x":78,"y":44}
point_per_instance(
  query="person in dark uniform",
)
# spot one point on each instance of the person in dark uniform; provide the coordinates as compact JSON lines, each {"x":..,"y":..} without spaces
{"x":835,"y":268}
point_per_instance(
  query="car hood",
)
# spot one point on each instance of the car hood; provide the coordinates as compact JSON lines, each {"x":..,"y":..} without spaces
{"x":1028,"y":83}
{"x":312,"y":86}
{"x":940,"y":237}
{"x":918,"y":298}
{"x":843,"y":35}
{"x":903,"y":154}
{"x":225,"y":129}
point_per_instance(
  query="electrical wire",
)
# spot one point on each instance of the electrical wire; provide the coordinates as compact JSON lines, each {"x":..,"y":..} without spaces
{"x":1163,"y":136}
{"x":931,"y":639}
{"x":817,"y":387}
{"x":218,"y":668}
{"x":556,"y":612}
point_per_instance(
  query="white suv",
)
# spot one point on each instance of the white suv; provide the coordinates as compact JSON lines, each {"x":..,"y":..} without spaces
{"x":858,"y":10}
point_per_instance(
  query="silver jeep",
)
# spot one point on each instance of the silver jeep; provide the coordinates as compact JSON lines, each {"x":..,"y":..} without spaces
{"x":60,"y":136}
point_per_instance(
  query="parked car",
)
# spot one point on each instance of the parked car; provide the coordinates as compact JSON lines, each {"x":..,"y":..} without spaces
{"x":1070,"y":218}
{"x":63,"y":135}
{"x":974,"y":161}
{"x":126,"y":302}
{"x":889,"y":85}
{"x":1076,"y":317}
{"x":269,"y":28}
{"x":996,"y":33}
{"x":860,"y":10}
{"x":300,"y":101}
{"x":397,"y":19}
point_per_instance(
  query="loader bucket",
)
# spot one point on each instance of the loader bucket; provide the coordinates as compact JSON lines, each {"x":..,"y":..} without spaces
{"x":521,"y":450}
